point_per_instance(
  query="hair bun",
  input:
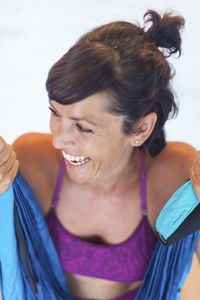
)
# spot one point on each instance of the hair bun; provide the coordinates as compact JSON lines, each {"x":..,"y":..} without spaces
{"x":165,"y":30}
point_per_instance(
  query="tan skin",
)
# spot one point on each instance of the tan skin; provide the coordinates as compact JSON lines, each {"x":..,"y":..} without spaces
{"x":195,"y":174}
{"x":104,"y":196}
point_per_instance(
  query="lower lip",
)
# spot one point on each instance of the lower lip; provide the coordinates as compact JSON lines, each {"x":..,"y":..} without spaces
{"x":76,"y":167}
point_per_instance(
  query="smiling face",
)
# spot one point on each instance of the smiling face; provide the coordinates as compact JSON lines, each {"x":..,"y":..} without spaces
{"x":90,"y":138}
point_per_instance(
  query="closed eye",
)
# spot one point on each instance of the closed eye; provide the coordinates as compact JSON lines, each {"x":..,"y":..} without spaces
{"x":54,"y":112}
{"x":80,"y":128}
{"x":83,"y":129}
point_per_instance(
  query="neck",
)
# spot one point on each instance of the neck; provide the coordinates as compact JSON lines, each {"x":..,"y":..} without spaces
{"x":122,"y":176}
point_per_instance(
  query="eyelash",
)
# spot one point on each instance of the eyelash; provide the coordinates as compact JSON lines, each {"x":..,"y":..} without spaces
{"x":80,"y":128}
{"x":83,"y":129}
{"x":54,"y":112}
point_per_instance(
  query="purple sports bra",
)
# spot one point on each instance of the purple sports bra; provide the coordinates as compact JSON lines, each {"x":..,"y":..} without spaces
{"x":123,"y":262}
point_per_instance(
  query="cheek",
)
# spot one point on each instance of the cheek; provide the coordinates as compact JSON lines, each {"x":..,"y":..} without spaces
{"x":87,"y":146}
{"x":100,"y":150}
{"x":53,"y":125}
{"x":114,"y":149}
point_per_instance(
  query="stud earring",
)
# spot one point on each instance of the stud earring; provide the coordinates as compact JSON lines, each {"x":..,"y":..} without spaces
{"x":137,"y":141}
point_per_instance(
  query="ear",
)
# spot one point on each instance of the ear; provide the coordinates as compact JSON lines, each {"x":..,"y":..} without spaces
{"x":144,"y":129}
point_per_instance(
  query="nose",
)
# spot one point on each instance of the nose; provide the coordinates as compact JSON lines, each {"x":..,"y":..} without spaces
{"x":64,"y":137}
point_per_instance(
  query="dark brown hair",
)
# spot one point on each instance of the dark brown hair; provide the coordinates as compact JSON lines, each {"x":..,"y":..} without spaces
{"x":127,"y":61}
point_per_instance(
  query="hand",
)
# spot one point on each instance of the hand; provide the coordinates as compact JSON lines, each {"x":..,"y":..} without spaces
{"x":8,"y":165}
{"x":195,"y":175}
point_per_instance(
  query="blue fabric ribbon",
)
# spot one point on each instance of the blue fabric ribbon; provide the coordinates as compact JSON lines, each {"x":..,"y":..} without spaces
{"x":10,"y":274}
{"x":41,"y":257}
{"x":176,"y":210}
{"x":30,"y":267}
{"x":168,"y":269}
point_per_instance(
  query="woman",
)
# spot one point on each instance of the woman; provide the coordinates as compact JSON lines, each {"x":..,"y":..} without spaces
{"x":109,"y":171}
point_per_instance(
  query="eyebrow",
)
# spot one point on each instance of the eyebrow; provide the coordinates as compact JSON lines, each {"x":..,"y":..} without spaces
{"x":78,"y":119}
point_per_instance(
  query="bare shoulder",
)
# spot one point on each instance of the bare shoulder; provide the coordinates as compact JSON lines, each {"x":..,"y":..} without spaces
{"x":35,"y":150}
{"x":166,"y":173}
{"x":39,"y":164}
{"x":177,"y":157}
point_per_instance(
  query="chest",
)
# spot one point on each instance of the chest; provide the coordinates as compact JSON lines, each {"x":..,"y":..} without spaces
{"x":91,"y":216}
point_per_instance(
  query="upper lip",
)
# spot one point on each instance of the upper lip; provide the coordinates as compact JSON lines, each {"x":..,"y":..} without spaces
{"x":67,"y":153}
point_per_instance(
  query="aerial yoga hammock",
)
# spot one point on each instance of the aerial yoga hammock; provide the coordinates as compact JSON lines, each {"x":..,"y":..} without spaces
{"x":30,"y":267}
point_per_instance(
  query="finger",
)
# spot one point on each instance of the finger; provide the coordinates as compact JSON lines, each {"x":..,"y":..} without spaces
{"x":14,"y":170}
{"x":8,"y":165}
{"x":5,"y":154}
{"x":8,"y":180}
{"x":2,"y":143}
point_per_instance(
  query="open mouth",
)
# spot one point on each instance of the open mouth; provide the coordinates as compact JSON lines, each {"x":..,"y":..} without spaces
{"x":75,"y":160}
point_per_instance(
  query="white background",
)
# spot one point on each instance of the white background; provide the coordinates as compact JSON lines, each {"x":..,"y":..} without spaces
{"x":35,"y":34}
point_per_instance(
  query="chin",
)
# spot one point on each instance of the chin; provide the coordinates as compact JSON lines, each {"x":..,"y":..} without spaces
{"x":78,"y":179}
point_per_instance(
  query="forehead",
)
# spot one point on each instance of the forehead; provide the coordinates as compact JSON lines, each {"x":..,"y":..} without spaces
{"x":93,"y":108}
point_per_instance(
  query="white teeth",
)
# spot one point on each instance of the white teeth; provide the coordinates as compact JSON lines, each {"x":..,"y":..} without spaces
{"x":75,"y":160}
{"x":67,"y":156}
{"x":79,"y":163}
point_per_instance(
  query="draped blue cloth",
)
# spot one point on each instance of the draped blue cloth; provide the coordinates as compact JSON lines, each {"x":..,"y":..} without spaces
{"x":176,"y":210}
{"x":168,"y":269}
{"x":30,"y":267}
{"x":47,"y":275}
